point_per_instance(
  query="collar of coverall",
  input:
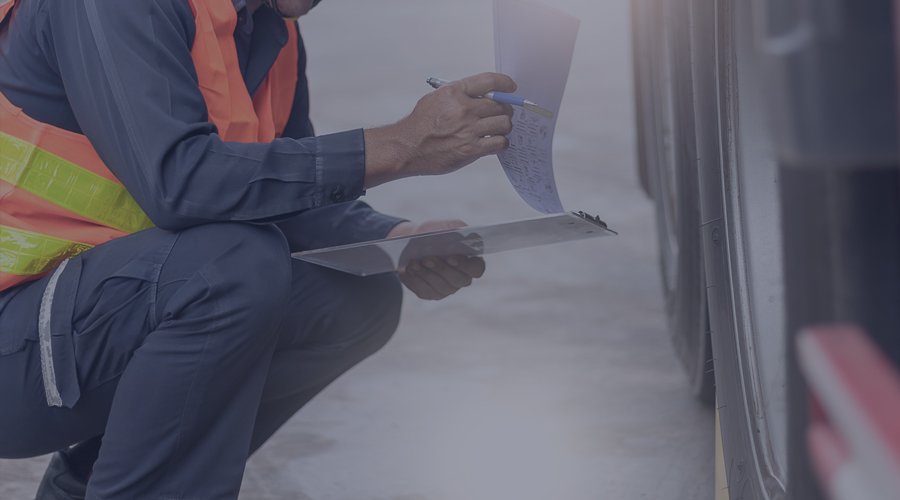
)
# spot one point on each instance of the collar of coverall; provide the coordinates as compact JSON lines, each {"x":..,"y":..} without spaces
{"x":240,"y":5}
{"x":274,"y":5}
{"x":245,"y":21}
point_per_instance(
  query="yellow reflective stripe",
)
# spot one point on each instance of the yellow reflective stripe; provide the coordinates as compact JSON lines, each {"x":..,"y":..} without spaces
{"x":26,"y":253}
{"x":69,"y":186}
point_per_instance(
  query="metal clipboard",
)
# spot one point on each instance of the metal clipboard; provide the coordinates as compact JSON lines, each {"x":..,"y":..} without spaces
{"x":382,"y":256}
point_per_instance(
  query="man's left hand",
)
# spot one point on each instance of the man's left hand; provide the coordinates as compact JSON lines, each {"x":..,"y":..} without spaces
{"x":434,"y":278}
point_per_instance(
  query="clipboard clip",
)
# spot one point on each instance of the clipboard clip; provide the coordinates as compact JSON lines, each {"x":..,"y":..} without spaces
{"x":594,"y":219}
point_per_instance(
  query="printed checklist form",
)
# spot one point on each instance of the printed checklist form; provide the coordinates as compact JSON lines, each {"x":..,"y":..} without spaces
{"x":534,"y":44}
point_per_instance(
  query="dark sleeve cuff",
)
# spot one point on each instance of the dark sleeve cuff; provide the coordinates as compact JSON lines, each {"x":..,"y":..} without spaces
{"x":340,"y":167}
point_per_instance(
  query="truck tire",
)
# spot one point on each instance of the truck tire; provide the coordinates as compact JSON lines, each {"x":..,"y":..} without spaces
{"x":702,"y":130}
{"x":667,"y":153}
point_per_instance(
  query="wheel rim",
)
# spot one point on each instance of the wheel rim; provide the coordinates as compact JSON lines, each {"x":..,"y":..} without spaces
{"x":756,"y":261}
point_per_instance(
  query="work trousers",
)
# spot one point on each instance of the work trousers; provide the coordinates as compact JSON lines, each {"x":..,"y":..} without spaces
{"x":185,"y":350}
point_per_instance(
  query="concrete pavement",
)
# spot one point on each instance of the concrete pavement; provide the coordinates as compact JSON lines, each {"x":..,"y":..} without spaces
{"x":553,"y":378}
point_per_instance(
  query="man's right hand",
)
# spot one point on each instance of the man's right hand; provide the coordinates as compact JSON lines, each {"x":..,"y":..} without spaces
{"x":448,"y":129}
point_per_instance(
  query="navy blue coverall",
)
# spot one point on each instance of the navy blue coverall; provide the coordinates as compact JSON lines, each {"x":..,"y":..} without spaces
{"x":188,"y":345}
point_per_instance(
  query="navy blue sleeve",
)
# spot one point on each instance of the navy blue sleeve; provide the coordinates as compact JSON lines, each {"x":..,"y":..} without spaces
{"x":330,"y":225}
{"x":336,"y":225}
{"x":133,"y":89}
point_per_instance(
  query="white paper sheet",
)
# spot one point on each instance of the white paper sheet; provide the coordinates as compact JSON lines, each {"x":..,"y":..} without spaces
{"x":534,"y":44}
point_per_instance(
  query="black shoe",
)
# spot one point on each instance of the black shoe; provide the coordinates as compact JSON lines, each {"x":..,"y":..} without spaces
{"x":60,"y":481}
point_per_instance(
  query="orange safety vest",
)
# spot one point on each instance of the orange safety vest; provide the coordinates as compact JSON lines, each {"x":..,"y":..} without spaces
{"x":58,"y":198}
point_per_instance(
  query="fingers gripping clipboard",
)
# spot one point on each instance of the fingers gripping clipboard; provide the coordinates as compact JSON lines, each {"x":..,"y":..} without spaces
{"x":382,"y":256}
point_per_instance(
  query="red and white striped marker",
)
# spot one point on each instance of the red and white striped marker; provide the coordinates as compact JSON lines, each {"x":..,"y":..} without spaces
{"x":854,"y":436}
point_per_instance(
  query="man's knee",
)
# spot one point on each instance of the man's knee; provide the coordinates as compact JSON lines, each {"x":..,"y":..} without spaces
{"x":368,"y":315}
{"x":245,"y":268}
{"x":383,"y":304}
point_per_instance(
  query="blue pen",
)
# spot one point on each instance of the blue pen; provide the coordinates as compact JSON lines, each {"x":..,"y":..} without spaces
{"x":501,"y":97}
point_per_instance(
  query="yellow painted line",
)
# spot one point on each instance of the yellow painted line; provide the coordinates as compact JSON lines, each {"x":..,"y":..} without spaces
{"x":721,"y":479}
